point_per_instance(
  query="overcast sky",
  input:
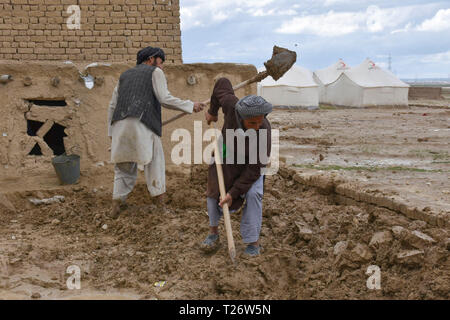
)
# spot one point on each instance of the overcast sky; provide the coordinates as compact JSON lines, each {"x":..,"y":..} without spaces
{"x":415,"y":32}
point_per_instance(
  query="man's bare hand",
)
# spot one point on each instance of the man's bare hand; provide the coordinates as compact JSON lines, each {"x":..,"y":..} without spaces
{"x":228,"y":200}
{"x":198,"y":106}
{"x":210,"y":118}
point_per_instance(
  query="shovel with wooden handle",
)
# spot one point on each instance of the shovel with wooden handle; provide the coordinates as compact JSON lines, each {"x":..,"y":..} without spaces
{"x":223,"y":193}
{"x":282,"y":60}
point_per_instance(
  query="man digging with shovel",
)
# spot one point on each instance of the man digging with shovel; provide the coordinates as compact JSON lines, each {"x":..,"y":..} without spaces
{"x":242,"y":181}
{"x":135,"y":126}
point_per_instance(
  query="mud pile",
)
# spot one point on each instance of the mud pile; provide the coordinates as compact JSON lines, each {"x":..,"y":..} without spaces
{"x":314,"y":248}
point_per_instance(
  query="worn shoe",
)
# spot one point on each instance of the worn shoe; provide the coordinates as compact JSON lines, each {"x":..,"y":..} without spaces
{"x":117,"y":207}
{"x":210,"y":243}
{"x":252,"y":250}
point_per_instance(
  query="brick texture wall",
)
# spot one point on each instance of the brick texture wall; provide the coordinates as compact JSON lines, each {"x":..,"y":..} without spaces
{"x":111,"y":30}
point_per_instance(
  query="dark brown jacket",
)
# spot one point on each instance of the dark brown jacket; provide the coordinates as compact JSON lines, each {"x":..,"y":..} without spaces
{"x":238,"y":177}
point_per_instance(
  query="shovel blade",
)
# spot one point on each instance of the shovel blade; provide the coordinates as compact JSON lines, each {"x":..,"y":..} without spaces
{"x":282,"y":60}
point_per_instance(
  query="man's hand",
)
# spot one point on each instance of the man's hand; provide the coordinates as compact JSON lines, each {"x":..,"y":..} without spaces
{"x":210,"y":118}
{"x":228,"y":200}
{"x":198,"y":106}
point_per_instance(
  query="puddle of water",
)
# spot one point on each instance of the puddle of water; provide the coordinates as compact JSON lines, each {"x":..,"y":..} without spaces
{"x":287,"y":145}
{"x":388,"y":162}
{"x":303,"y":159}
{"x":102,"y":296}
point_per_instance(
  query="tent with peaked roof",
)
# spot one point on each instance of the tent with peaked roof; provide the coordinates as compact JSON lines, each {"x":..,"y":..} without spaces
{"x":324,"y":77}
{"x":296,"y":88}
{"x":367,"y":85}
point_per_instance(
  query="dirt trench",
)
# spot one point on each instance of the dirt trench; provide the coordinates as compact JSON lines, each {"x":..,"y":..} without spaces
{"x":314,"y":247}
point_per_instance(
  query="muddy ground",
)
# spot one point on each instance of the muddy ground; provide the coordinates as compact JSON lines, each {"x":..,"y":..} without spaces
{"x":402,"y":152}
{"x":315,"y":246}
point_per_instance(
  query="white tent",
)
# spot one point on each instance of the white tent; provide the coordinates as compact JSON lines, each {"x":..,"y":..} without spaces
{"x":367,"y":85}
{"x":296,"y":88}
{"x":326,"y":76}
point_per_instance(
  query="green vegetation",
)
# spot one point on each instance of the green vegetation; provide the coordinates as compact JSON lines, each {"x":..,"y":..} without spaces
{"x":370,"y":149}
{"x":441,"y":156}
{"x":430,"y":153}
{"x":326,"y":107}
{"x":419,"y":153}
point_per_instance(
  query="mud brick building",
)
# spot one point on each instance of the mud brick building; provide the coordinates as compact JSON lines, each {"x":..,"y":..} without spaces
{"x":110,"y":30}
{"x":47,"y":109}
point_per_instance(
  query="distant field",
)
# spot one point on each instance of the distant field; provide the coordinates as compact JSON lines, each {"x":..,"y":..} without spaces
{"x":418,"y":84}
{"x":428,"y":82}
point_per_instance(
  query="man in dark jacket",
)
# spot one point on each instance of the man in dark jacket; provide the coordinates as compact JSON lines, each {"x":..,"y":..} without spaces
{"x":243,"y":181}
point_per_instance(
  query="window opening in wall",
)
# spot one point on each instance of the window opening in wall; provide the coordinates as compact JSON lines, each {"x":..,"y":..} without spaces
{"x":54,"y":138}
{"x":48,"y":103}
{"x":32,"y":129}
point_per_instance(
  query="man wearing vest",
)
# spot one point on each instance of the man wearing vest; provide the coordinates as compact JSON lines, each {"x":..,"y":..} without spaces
{"x":135,"y":126}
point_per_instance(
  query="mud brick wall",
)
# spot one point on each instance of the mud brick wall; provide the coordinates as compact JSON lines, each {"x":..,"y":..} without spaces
{"x":111,"y":30}
{"x":84,"y":111}
{"x":432,"y":93}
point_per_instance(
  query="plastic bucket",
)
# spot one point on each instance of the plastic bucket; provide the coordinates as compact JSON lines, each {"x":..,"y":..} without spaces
{"x":67,"y":168}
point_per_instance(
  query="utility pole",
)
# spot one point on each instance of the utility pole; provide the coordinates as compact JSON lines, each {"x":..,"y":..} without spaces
{"x":390,"y":62}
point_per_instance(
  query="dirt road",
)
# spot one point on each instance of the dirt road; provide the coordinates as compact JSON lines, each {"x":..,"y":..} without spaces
{"x":399,"y":152}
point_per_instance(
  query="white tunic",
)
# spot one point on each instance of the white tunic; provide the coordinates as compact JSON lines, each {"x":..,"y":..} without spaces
{"x":132,"y":141}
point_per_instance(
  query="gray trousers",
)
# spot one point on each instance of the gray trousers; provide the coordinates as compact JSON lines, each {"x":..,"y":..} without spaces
{"x":125,"y":177}
{"x":251,"y":220}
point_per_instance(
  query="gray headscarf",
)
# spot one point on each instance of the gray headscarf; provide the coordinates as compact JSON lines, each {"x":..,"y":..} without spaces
{"x":253,"y":106}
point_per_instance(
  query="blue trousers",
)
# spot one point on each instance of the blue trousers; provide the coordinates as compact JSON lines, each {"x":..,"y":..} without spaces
{"x":251,"y":220}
